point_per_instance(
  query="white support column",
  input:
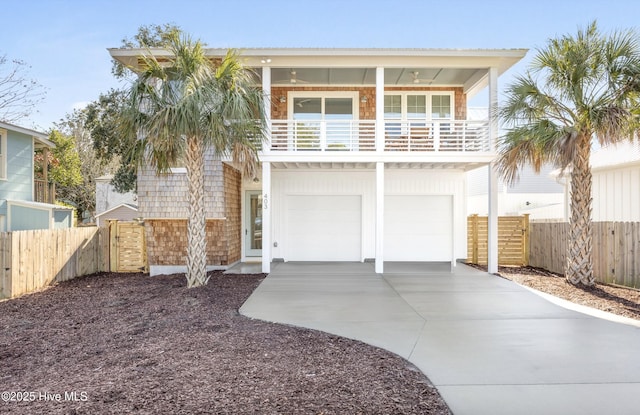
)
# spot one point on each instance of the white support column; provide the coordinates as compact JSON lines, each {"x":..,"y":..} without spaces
{"x":492,"y":260}
{"x":380,"y":109}
{"x":454,"y":233}
{"x":266,"y":89}
{"x":266,"y":217}
{"x":379,"y":217}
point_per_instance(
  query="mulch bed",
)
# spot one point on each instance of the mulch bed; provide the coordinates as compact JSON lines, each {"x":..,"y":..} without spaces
{"x":613,"y":299}
{"x":128,"y":343}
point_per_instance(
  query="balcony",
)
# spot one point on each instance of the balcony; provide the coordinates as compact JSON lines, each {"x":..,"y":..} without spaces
{"x":44,"y":192}
{"x":451,"y":136}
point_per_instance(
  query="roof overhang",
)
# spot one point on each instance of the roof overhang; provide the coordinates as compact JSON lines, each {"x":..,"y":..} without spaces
{"x":37,"y":205}
{"x":40,"y":139}
{"x":467,"y":68}
{"x":121,"y":205}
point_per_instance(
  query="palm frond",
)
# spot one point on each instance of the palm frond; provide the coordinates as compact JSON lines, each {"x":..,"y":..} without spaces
{"x":534,"y":144}
{"x":578,"y":87}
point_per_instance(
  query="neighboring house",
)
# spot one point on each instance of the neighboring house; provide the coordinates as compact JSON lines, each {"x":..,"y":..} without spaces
{"x":22,"y":198}
{"x":124,"y":212}
{"x":615,"y":188}
{"x":113,"y":205}
{"x":365,"y":159}
{"x":539,"y":195}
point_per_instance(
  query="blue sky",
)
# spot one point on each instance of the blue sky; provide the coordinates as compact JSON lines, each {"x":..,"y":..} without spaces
{"x":65,"y":41}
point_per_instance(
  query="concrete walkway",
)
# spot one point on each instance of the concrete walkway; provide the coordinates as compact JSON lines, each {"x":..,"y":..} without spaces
{"x":489,"y":345}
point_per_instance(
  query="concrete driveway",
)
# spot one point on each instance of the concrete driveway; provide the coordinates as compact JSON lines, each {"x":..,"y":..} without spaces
{"x":489,"y":345}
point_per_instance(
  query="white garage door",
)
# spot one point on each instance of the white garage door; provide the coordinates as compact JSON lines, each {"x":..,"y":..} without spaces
{"x":323,"y":228}
{"x":418,"y":228}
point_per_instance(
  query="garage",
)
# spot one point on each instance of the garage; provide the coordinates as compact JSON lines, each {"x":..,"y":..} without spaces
{"x":418,"y":228}
{"x":323,"y":228}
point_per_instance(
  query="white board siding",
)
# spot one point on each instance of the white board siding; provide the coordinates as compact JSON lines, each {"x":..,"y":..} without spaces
{"x":616,"y":194}
{"x":323,"y":228}
{"x":418,"y":228}
{"x":335,"y":182}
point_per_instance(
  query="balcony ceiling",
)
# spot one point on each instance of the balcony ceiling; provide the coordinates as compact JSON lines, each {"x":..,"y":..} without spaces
{"x":367,"y":76}
{"x":352,"y":67}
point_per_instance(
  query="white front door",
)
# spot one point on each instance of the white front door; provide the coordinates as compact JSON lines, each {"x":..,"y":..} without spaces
{"x":253,"y":223}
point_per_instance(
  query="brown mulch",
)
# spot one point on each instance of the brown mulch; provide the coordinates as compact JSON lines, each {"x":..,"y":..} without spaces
{"x":130,"y":343}
{"x":613,"y":299}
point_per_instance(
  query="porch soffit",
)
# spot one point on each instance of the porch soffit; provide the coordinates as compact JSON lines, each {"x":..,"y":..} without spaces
{"x":356,"y":67}
{"x":408,"y":76}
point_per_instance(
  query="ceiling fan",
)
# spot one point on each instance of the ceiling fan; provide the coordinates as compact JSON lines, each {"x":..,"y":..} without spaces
{"x":301,"y":103}
{"x":416,"y":80}
{"x":293,"y":78}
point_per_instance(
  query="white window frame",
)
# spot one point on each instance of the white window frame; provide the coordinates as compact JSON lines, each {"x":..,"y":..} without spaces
{"x":354,"y":95}
{"x":428,"y":95}
{"x":3,"y":154}
{"x":323,"y":95}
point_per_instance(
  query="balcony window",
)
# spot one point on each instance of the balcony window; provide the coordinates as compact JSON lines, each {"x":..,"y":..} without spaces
{"x":319,"y":118}
{"x":392,"y":111}
{"x":392,"y":107}
{"x":441,"y":107}
{"x":416,"y":107}
{"x":425,"y":106}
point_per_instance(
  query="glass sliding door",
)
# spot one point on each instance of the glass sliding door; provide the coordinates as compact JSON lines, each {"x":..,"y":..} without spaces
{"x":324,"y":122}
{"x":307,"y":113}
{"x":338,"y":112}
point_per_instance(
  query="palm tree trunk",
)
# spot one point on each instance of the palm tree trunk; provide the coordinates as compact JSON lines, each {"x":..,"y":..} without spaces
{"x":196,"y":236}
{"x":579,"y":265}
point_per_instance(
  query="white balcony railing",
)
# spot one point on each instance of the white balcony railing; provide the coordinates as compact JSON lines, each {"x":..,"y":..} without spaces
{"x":338,"y":135}
{"x":408,"y":136}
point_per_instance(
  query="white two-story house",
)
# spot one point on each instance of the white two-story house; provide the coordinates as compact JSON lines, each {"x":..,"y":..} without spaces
{"x":365,"y":160}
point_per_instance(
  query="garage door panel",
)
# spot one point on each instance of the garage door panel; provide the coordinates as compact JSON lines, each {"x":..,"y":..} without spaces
{"x":324,"y":228}
{"x":418,"y":228}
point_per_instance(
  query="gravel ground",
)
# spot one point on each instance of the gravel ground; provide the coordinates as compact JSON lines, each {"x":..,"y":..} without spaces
{"x":128,"y":343}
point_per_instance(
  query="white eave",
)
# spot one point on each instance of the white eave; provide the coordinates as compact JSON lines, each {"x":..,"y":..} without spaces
{"x":39,"y":138}
{"x":338,"y":57}
{"x":37,"y":205}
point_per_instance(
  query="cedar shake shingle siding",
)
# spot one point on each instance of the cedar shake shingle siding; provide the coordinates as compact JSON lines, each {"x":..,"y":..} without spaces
{"x":163,"y":203}
{"x":167,"y":242}
{"x":166,"y":196}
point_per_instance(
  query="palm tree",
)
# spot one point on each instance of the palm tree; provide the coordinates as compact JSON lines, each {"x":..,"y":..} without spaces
{"x":578,"y":89}
{"x":184,"y":105}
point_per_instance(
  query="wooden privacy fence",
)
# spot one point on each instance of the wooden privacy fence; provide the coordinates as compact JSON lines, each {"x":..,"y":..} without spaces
{"x":513,"y":240}
{"x":31,"y":260}
{"x":616,"y":250}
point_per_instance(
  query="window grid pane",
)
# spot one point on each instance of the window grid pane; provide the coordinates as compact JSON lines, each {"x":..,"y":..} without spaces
{"x":441,"y":106}
{"x":393,"y":106}
{"x":416,"y":107}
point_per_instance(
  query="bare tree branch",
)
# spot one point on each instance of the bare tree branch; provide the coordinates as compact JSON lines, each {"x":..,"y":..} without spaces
{"x":19,"y":95}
